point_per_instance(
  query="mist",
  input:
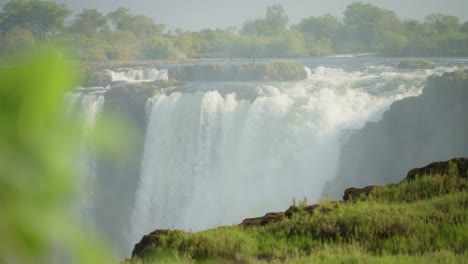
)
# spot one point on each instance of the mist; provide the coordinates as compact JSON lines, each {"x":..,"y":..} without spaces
{"x":195,"y":115}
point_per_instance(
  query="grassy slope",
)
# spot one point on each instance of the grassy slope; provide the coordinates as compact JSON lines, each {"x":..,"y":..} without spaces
{"x":418,"y":221}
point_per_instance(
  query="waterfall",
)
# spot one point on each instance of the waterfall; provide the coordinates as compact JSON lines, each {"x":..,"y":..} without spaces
{"x":85,"y":108}
{"x":309,"y":73}
{"x":138,"y":75}
{"x":212,"y":157}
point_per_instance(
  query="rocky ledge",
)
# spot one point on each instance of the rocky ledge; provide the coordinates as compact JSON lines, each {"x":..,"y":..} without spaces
{"x":415,"y":65}
{"x":273,"y":71}
{"x":437,"y":179}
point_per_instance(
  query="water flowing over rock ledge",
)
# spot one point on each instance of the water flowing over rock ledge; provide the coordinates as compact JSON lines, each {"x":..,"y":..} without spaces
{"x":444,"y":97}
{"x":221,"y":72}
{"x":235,"y":122}
{"x":414,"y":131}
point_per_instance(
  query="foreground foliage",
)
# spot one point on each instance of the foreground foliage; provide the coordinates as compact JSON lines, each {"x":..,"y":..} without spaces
{"x":37,"y":166}
{"x":415,"y":221}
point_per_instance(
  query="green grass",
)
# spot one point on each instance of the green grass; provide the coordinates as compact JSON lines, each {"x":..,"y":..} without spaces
{"x":419,"y":221}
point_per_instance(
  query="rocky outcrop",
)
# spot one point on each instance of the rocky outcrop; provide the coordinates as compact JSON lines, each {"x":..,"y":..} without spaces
{"x":458,"y":164}
{"x":273,"y":71}
{"x":416,"y":65}
{"x":261,"y":221}
{"x":414,"y":131}
{"x":354,"y":193}
{"x":148,"y":242}
{"x":91,"y":76}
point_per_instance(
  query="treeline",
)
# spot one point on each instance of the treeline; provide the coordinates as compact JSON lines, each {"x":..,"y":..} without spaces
{"x":122,"y":35}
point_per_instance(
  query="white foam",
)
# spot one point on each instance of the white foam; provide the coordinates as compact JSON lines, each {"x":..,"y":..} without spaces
{"x":138,"y":75}
{"x":214,"y":160}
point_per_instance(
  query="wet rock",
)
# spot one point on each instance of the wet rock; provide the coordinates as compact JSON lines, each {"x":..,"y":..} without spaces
{"x":264,"y":220}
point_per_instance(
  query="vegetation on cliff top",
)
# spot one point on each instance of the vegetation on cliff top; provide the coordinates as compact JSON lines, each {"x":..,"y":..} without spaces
{"x":415,"y":221}
{"x":122,"y":35}
{"x":38,"y":179}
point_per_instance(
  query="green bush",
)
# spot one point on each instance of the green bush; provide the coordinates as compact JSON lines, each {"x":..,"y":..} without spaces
{"x":37,"y":165}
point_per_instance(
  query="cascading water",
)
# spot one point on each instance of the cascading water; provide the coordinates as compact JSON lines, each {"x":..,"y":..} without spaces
{"x":138,"y":75}
{"x":213,"y":157}
{"x":85,"y":108}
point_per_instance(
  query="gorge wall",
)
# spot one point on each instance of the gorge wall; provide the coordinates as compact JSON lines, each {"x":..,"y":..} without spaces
{"x":413,"y":132}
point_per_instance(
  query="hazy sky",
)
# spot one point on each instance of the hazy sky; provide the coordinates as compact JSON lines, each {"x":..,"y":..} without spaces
{"x":198,"y":14}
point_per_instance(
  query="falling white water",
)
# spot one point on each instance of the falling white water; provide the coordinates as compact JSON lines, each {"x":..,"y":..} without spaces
{"x":138,"y":75}
{"x":212,"y":158}
{"x":85,"y":108}
{"x":309,"y":73}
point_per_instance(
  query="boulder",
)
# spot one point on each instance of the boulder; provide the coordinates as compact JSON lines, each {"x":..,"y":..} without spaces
{"x":443,"y":168}
{"x":352,"y":193}
{"x":264,"y":220}
{"x":149,"y":242}
{"x":416,"y":65}
{"x":273,"y":71}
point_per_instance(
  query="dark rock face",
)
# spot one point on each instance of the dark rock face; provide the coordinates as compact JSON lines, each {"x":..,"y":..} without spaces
{"x":261,"y":221}
{"x":441,"y":168}
{"x":413,"y":132}
{"x":120,"y":172}
{"x":91,"y":76}
{"x":148,"y":242}
{"x":276,"y":217}
{"x":354,"y":193}
{"x":118,"y":175}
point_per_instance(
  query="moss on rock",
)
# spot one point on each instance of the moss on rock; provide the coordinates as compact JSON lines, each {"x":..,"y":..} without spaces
{"x":416,"y":64}
{"x":273,"y":71}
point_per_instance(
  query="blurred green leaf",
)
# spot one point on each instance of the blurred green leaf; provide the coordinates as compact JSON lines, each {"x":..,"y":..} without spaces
{"x":37,"y":166}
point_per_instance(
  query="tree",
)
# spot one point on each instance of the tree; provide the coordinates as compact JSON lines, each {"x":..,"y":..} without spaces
{"x":394,"y":44}
{"x":368,"y":24}
{"x":140,"y":25}
{"x":121,"y":18}
{"x":276,"y":18}
{"x":17,"y":40}
{"x":89,"y":23}
{"x":323,"y":27}
{"x":442,"y":23}
{"x":124,"y":45}
{"x":420,"y":38}
{"x":464,"y":27}
{"x":275,"y":22}
{"x":42,"y":18}
{"x":159,"y":48}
